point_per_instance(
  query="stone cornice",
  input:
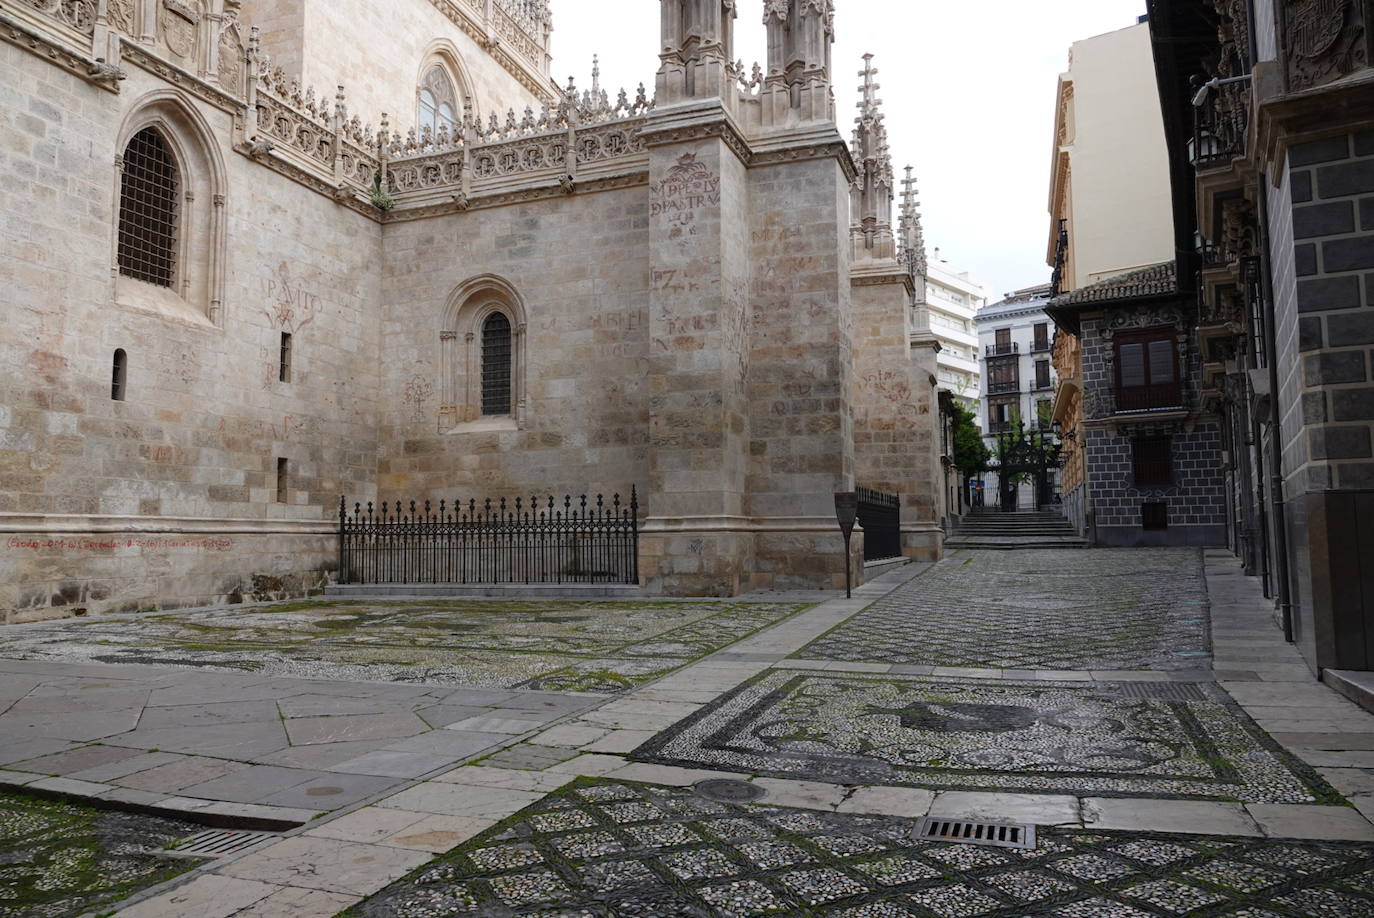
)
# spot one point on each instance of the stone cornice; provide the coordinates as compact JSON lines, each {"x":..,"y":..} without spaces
{"x":1283,"y":119}
{"x":556,"y":189}
{"x":181,"y":79}
{"x":708,"y":118}
{"x":344,"y":196}
{"x":882,"y":278}
{"x":700,"y":122}
{"x":49,"y":50}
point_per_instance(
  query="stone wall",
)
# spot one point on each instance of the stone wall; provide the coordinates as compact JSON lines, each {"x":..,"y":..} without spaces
{"x":579,"y":266}
{"x":378,"y":50}
{"x":188,"y":461}
{"x":1322,"y":247}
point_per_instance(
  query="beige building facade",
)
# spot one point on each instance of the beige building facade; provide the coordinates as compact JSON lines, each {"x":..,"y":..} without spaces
{"x":233,"y":299}
{"x":1109,"y":178}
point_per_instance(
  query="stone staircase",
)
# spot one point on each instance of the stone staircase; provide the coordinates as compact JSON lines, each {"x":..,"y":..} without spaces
{"x":990,"y":528}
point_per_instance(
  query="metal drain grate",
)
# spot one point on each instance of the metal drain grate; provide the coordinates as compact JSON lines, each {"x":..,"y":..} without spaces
{"x":1161,"y":691}
{"x":728,"y":790}
{"x":973,"y":832}
{"x":221,"y":843}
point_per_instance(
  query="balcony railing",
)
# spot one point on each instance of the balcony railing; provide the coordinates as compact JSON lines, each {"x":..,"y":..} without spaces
{"x":1001,"y":350}
{"x":1040,"y":384}
{"x":1040,"y":345}
{"x":997,"y":388}
{"x":1221,"y":122}
{"x":1149,"y":398}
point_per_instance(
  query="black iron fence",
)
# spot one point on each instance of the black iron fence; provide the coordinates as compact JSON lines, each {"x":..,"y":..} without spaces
{"x":539,"y":540}
{"x":880,"y":515}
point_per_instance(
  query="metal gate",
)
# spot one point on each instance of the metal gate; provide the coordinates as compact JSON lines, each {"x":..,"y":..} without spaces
{"x":539,"y":540}
{"x":880,"y":515}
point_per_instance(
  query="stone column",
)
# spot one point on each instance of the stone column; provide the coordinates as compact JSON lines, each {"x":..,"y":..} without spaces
{"x":697,"y":540}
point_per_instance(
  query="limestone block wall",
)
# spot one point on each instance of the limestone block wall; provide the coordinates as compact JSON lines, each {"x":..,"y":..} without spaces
{"x":377,"y":52}
{"x":169,"y":497}
{"x":580,"y":268}
{"x":896,"y":419}
{"x":801,"y":370}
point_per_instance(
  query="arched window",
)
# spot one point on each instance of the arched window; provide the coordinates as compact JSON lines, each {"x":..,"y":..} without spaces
{"x":149,"y":199}
{"x":119,"y":377}
{"x":496,"y":364}
{"x":438,"y":102}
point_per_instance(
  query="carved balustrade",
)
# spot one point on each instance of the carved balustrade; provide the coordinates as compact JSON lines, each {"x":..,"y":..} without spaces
{"x":556,"y":143}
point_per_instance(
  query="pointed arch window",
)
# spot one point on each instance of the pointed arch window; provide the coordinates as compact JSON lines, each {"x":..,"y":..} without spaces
{"x":149,"y":201}
{"x":496,"y":365}
{"x":438,"y":102}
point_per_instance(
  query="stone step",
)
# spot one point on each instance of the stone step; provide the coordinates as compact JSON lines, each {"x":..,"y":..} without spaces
{"x":1010,"y":543}
{"x":1357,"y":685}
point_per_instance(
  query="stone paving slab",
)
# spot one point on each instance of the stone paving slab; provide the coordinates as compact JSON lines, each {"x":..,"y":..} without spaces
{"x":253,"y":747}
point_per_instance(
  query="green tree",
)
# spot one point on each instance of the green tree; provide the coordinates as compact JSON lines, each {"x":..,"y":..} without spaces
{"x":970,"y":453}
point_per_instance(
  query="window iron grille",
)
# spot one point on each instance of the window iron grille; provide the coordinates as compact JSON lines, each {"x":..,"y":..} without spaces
{"x":284,"y":368}
{"x":496,"y":365}
{"x":149,"y":198}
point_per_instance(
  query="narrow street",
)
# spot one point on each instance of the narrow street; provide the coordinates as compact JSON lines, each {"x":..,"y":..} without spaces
{"x":1136,"y":707}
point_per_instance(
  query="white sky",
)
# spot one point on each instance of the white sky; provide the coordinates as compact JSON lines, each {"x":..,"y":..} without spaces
{"x":968,"y":88}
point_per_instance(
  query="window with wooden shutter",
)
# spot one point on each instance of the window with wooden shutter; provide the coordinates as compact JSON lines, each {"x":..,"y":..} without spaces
{"x":1147,"y":376}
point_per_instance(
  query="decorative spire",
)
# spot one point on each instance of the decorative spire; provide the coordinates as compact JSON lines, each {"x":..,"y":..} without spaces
{"x":596,"y":76}
{"x":873,"y":188}
{"x":911,"y":236}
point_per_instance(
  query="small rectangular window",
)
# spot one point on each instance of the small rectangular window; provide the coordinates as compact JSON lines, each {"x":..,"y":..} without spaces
{"x":1154,"y":515}
{"x":1042,"y":374}
{"x":120,"y":375}
{"x":283,"y":479}
{"x":1042,"y":336}
{"x":284,"y":372}
{"x":1152,"y":461}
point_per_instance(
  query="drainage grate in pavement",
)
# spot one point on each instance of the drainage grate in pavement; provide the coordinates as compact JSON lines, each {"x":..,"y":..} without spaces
{"x":728,"y":790}
{"x":974,"y":832}
{"x":221,"y":843}
{"x":1161,"y":691}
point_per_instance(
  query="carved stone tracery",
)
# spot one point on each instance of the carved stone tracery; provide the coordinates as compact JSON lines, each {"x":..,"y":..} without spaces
{"x":1324,"y":40}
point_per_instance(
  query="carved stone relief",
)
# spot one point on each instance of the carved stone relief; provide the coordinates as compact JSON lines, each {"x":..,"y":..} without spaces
{"x":120,"y":14}
{"x":1324,"y":40}
{"x":231,"y":60}
{"x":179,"y":21}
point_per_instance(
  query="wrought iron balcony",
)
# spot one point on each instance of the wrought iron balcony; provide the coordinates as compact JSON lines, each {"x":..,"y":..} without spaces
{"x":1149,"y":398}
{"x":1040,"y":345}
{"x":1221,"y":122}
{"x":998,"y":388}
{"x":1002,"y":350}
{"x":1061,"y":257}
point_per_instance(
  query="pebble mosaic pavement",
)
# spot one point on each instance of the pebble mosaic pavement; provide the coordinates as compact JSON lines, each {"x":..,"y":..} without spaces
{"x":1107,"y":609}
{"x":57,"y":859}
{"x":613,"y":849}
{"x":1095,"y":739}
{"x":600,"y":647}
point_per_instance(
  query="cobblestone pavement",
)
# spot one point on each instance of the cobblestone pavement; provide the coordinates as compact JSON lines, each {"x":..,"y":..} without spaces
{"x":1038,"y":609}
{"x":1128,"y":739}
{"x":1155,"y":792}
{"x":602,"y":647}
{"x":59,"y":859}
{"x":614,"y":848}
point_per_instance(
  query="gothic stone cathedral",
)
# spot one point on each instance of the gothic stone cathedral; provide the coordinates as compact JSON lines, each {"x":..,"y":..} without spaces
{"x":230,"y":299}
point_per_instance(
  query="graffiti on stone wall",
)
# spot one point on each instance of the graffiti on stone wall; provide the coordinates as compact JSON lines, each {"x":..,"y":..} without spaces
{"x":417,"y":394}
{"x":894,"y":388}
{"x":689,"y":187}
{"x":289,"y":306}
{"x":114,"y":543}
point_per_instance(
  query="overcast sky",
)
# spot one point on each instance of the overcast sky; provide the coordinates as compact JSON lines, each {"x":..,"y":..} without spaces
{"x":968,"y":89}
